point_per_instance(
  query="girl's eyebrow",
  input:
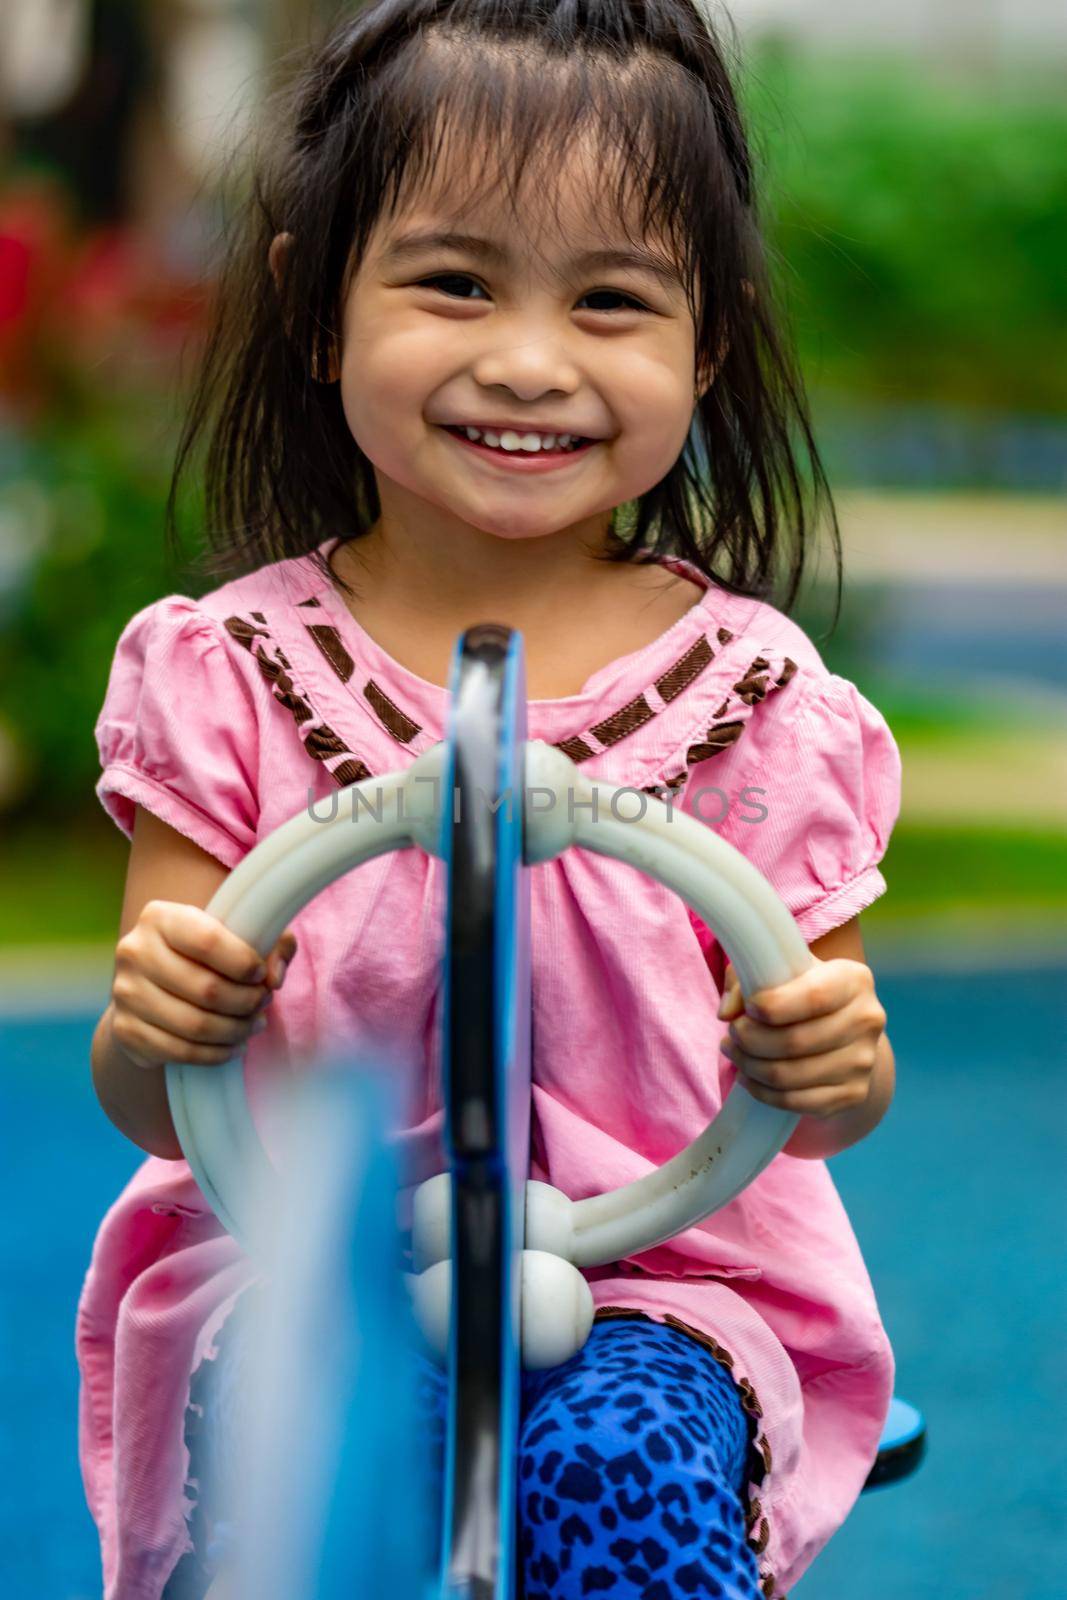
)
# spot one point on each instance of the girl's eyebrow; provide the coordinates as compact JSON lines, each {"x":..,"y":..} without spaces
{"x":412,"y":244}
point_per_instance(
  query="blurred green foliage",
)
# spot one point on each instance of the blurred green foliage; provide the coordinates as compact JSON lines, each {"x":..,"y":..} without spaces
{"x":105,"y":476}
{"x":919,"y":225}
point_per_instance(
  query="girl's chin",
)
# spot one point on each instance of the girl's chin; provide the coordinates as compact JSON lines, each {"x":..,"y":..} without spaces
{"x":500,"y":516}
{"x":492,"y":509}
{"x":505,"y":529}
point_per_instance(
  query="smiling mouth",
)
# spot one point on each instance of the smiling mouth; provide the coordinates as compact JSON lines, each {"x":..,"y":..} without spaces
{"x":523,"y":459}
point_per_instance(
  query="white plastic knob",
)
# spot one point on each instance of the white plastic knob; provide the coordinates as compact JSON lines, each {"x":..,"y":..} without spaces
{"x":431,"y":1301}
{"x":557,"y":1309}
{"x":431,"y":1222}
{"x":549,"y":1221}
{"x":554,"y":791}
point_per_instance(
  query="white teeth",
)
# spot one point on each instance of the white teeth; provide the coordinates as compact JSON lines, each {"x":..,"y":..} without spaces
{"x":529,"y":443}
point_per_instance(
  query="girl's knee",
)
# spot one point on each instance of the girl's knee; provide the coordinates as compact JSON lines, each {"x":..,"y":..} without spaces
{"x":642,"y":1407}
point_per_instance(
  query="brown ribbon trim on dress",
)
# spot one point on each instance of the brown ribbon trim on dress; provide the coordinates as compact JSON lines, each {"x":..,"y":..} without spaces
{"x":323,"y":744}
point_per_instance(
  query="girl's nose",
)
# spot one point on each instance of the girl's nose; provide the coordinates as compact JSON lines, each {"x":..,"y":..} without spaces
{"x":528,"y":367}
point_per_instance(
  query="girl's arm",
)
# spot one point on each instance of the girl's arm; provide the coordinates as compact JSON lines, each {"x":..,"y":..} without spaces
{"x":817,"y":1042}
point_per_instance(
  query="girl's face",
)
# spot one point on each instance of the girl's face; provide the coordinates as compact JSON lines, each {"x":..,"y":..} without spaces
{"x":515,"y":325}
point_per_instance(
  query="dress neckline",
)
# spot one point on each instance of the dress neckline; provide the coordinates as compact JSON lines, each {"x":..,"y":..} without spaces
{"x":381,"y":665}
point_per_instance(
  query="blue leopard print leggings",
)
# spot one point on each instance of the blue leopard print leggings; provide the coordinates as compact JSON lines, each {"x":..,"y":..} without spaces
{"x":632,"y":1466}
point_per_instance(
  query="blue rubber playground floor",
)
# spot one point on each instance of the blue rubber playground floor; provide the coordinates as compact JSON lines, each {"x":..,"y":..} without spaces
{"x":959,"y":1201}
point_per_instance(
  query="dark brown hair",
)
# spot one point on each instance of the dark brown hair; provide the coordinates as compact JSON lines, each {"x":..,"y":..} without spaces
{"x":364,"y":117}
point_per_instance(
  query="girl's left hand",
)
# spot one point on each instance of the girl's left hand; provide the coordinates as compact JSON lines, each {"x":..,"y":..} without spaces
{"x":809,"y":1045}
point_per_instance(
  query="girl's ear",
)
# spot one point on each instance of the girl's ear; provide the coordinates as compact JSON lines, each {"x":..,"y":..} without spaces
{"x":706,"y":375}
{"x":277,"y":256}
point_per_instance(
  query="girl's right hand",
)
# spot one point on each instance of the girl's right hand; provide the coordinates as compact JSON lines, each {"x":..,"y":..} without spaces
{"x":188,"y":989}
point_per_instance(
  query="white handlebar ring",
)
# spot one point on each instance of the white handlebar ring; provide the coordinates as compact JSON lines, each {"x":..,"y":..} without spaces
{"x":306,"y":854}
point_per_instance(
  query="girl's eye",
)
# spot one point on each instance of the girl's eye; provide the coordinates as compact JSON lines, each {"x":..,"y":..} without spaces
{"x":462,"y":278}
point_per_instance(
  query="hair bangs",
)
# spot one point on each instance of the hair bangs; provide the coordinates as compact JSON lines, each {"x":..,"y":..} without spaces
{"x":510,"y":117}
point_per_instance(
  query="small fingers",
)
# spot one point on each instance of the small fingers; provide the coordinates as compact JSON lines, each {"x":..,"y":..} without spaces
{"x":202,"y":937}
{"x":151,"y":1046}
{"x":824,"y":1101}
{"x":732,"y":1003}
{"x":834,"y":1069}
{"x":188,"y":980}
{"x":856,"y":1021}
{"x":144,"y":1002}
{"x":279,"y":959}
{"x":825,"y":987}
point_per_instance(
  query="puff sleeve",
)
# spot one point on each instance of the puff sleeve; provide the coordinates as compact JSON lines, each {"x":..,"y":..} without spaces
{"x":828,"y":774}
{"x":178,"y":731}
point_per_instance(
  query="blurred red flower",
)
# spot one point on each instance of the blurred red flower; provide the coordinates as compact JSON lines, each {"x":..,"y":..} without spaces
{"x":78,"y":308}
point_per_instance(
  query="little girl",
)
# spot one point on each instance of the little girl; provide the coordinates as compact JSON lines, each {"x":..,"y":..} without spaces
{"x":499,"y":345}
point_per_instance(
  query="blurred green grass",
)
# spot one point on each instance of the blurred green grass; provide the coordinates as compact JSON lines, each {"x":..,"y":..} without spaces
{"x":933,"y":869}
{"x":62,"y":885}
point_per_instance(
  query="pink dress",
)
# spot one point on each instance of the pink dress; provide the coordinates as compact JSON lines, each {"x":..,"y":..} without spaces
{"x":224,"y":716}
